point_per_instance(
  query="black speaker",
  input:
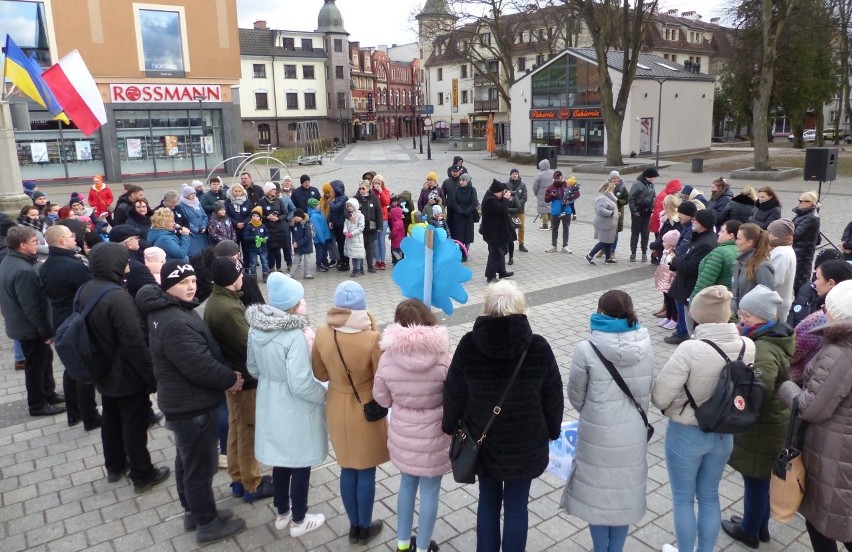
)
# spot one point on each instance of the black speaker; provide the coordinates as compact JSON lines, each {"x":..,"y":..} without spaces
{"x":821,"y":164}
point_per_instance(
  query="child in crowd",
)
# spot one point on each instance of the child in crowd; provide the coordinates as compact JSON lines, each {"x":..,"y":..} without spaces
{"x":417,"y":219}
{"x":219,"y":225}
{"x":155,"y":258}
{"x":397,"y":229}
{"x":102,"y":230}
{"x":353,"y":229}
{"x":255,"y":236}
{"x":437,"y":219}
{"x":322,"y":234}
{"x":303,"y":243}
{"x":664,"y":277}
{"x":669,"y":220}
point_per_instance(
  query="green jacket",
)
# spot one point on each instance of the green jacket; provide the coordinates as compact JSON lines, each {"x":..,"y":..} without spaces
{"x":225,"y":315}
{"x":756,"y":449}
{"x":622,"y":195}
{"x":717,"y":267}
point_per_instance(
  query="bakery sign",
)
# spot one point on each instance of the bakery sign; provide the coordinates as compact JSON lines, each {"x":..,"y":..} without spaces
{"x":563,"y":114}
{"x":164,"y":93}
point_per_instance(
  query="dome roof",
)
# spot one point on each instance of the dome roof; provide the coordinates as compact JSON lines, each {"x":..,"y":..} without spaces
{"x":329,"y":19}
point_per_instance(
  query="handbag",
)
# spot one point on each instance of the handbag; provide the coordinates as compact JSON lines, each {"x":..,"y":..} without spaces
{"x":373,"y":411}
{"x":787,"y":481}
{"x":477,"y":214}
{"x":623,"y":386}
{"x":464,"y":449}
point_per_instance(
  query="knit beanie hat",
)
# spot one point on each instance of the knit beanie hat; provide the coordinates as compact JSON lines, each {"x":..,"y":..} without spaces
{"x":197,"y":184}
{"x":304,"y":178}
{"x":269,"y":186}
{"x":513,"y":171}
{"x":75,"y":198}
{"x":284,"y":291}
{"x":671,"y":237}
{"x":173,"y":272}
{"x":186,"y":190}
{"x":687,"y":190}
{"x":349,"y":295}
{"x":465,"y":177}
{"x":706,"y":218}
{"x":761,"y":302}
{"x":226,"y":248}
{"x":218,"y":206}
{"x":226,"y":271}
{"x":436,"y":210}
{"x":712,"y":305}
{"x":613,"y":174}
{"x":326,"y":188}
{"x":496,"y":186}
{"x":30,"y":185}
{"x":781,"y":228}
{"x":687,"y":208}
{"x":838,"y":302}
{"x":37,"y":195}
{"x":258,"y":211}
{"x":313,"y":203}
{"x":432,"y":176}
{"x":571,"y":180}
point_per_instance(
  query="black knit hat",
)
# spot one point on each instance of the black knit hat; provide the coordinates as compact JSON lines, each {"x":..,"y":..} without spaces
{"x":706,"y":218}
{"x":687,"y":208}
{"x":173,"y":272}
{"x":496,"y":187}
{"x":226,"y":271}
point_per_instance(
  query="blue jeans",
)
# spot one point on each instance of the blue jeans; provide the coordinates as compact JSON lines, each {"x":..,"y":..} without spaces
{"x":512,"y":497}
{"x":358,"y":491}
{"x":253,"y":254}
{"x":609,"y":538}
{"x":381,"y":243}
{"x":681,"y":318}
{"x":612,"y":245}
{"x":601,"y":246}
{"x":696,"y":462}
{"x":322,"y":260}
{"x":430,"y":487}
{"x":755,"y":505}
{"x":19,"y":351}
{"x":291,"y":487}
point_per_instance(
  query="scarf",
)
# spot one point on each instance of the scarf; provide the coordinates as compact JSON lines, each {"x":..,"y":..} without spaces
{"x":756,"y":331}
{"x":238,"y":201}
{"x":350,"y":321}
{"x":34,"y":224}
{"x":255,"y":223}
{"x":776,"y":242}
{"x":607,"y":324}
{"x":194,"y":203}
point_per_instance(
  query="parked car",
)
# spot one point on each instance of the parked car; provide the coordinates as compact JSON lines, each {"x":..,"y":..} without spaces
{"x":831,"y":134}
{"x":807,"y":136}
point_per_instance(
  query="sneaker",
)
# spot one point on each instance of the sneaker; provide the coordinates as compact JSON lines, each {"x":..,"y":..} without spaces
{"x":672,"y":325}
{"x":189,"y":520}
{"x":331,"y":264}
{"x":633,"y":257}
{"x":610,"y":261}
{"x":219,"y":530}
{"x":523,"y":248}
{"x":322,"y":269}
{"x":573,"y":217}
{"x":565,"y":249}
{"x":669,"y":548}
{"x":311,"y":522}
{"x":160,"y":474}
{"x":676,"y":339}
{"x":382,"y":266}
{"x":223,"y":461}
{"x":543,"y":228}
{"x":282,"y":521}
{"x":551,"y":250}
{"x":366,"y":534}
{"x":590,"y":259}
{"x":309,"y":276}
{"x":662,"y":323}
{"x":433,"y":546}
{"x":264,"y":490}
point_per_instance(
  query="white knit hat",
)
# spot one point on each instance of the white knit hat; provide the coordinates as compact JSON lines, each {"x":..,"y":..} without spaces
{"x":838,"y":302}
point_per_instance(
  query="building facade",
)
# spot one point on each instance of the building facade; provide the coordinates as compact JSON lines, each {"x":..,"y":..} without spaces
{"x":167,"y":73}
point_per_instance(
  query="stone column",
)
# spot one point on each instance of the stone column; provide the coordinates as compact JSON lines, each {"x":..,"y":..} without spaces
{"x":11,"y":196}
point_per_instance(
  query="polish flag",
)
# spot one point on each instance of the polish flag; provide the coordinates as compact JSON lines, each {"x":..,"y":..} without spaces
{"x":77,"y":93}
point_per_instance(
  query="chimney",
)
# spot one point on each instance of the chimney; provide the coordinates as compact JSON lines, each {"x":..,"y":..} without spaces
{"x":672,"y":12}
{"x":260,"y":25}
{"x":714,"y":20}
{"x":688,"y":14}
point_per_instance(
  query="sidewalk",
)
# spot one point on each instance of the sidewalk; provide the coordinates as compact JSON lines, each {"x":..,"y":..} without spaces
{"x":54,"y":494}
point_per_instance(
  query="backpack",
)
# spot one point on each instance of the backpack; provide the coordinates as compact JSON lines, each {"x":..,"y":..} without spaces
{"x":80,"y":357}
{"x":736,"y":401}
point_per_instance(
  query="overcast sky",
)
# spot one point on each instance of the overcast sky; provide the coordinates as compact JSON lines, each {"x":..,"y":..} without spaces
{"x":375,"y":22}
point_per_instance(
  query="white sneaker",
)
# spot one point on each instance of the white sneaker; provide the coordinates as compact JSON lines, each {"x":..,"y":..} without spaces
{"x":669,"y":548}
{"x":672,"y":324}
{"x":662,"y":323}
{"x":551,"y":250}
{"x":223,"y":461}
{"x":566,"y":250}
{"x":281,"y":522}
{"x":311,"y":522}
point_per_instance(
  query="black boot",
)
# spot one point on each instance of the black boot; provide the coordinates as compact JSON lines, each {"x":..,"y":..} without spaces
{"x":736,"y":532}
{"x":366,"y":534}
{"x":219,"y":529}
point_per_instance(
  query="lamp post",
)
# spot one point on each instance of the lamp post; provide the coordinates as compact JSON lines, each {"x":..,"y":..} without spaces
{"x":200,"y":99}
{"x":659,"y":117}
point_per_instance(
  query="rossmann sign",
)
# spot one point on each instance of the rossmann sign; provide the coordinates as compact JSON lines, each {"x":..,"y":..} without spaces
{"x":164,"y":93}
{"x":563,"y":114}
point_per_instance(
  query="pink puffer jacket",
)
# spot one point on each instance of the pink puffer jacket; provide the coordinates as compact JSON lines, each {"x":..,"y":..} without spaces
{"x":410,"y":380}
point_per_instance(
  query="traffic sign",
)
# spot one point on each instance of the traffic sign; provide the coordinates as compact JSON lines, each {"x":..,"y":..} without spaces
{"x":427,"y":109}
{"x":427,"y":122}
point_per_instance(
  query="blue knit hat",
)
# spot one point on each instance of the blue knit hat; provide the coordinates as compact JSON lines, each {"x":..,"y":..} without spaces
{"x":350,"y":295}
{"x":284,"y":291}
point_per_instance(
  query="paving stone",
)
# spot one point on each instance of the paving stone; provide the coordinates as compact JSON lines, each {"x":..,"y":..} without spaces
{"x":45,"y":533}
{"x":69,"y":543}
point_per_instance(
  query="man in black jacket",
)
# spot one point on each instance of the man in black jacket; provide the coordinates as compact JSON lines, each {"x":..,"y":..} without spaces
{"x":62,"y":274}
{"x":27,"y":316}
{"x":496,"y":230}
{"x":115,"y":330}
{"x":126,"y":203}
{"x":191,"y":376}
{"x":641,"y":202}
{"x":371,"y":208}
{"x":304,"y":192}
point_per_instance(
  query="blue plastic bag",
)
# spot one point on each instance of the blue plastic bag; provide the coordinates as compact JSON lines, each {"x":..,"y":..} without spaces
{"x":561,"y":457}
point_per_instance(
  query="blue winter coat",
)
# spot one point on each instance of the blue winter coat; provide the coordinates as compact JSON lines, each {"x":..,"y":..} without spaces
{"x":290,"y":426}
{"x":176,"y":247}
{"x":303,"y":242}
{"x":196,"y":220}
{"x":337,"y":208}
{"x":322,"y":234}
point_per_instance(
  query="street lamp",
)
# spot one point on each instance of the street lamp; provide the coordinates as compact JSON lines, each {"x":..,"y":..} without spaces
{"x":659,"y":117}
{"x":200,"y":99}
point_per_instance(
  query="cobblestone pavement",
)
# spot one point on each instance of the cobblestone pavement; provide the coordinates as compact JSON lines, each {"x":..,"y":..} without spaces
{"x":54,"y":494}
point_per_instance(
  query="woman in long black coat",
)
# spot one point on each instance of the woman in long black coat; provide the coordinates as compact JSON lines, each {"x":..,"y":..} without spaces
{"x":463,"y":206}
{"x":805,"y":237}
{"x":496,"y":230}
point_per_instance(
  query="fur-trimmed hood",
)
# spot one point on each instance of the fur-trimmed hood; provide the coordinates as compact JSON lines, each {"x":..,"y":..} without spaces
{"x":270,"y":320}
{"x":420,"y":345}
{"x":744,"y":199}
{"x":839,"y":331}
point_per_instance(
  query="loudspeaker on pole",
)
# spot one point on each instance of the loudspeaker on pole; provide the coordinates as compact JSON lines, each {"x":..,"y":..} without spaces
{"x":820,"y":164}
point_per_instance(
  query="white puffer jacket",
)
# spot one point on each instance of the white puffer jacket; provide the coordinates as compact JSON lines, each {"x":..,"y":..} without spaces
{"x":697,"y":365}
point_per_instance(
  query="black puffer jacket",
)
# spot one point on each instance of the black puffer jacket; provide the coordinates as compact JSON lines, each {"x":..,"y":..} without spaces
{"x":517,"y":444}
{"x":642,"y":196}
{"x":721,"y":202}
{"x":371,"y":208}
{"x":686,"y":266}
{"x":805,"y":239}
{"x":740,"y":208}
{"x":190,"y":369}
{"x":115,"y":327}
{"x":766,"y":212}
{"x":464,"y":204}
{"x":495,"y":219}
{"x":62,"y":274}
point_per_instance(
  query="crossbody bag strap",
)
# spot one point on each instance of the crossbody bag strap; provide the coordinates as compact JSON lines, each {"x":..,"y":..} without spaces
{"x":689,"y":399}
{"x":620,"y":382}
{"x":345,"y":368}
{"x":499,"y":407}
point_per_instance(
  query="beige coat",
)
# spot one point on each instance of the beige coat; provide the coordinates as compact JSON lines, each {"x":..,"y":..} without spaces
{"x":697,"y":365}
{"x":358,"y":444}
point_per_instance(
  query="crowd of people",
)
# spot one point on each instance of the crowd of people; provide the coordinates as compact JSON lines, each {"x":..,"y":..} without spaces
{"x":738,"y":281}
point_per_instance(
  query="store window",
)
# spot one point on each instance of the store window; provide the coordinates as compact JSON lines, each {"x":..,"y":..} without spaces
{"x":161,"y":34}
{"x":51,"y":150}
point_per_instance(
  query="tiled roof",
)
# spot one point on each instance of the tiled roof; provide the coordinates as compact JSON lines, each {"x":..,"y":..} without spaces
{"x":257,"y":42}
{"x":716,"y":46}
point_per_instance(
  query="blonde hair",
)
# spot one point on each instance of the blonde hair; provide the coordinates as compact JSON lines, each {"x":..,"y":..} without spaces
{"x":381,"y":179}
{"x":161,"y":217}
{"x":233,"y":187}
{"x":809,"y":196}
{"x":502,"y":299}
{"x":750,"y":192}
{"x":670,"y":205}
{"x":607,"y":187}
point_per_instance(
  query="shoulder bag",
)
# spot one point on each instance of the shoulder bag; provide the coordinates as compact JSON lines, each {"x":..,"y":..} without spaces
{"x":787,"y":482}
{"x":623,"y":386}
{"x":464,"y":450}
{"x":373,"y":411}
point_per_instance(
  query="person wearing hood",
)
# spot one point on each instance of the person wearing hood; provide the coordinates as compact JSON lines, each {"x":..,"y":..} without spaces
{"x":783,"y":261}
{"x":457,"y":162}
{"x":449,"y":186}
{"x":191,"y":376}
{"x":607,"y":488}
{"x":195,"y":219}
{"x":768,"y":208}
{"x":461,"y":214}
{"x":673,"y":187}
{"x":806,"y":236}
{"x":688,"y":193}
{"x":641,"y":201}
{"x":337,"y":215}
{"x":542,"y":181}
{"x":517,"y":446}
{"x":825,"y":402}
{"x":100,"y":196}
{"x":278,"y":356}
{"x":410,"y":379}
{"x":353,"y":231}
{"x":756,"y":448}
{"x":720,"y":196}
{"x":127,"y":376}
{"x":741,"y":207}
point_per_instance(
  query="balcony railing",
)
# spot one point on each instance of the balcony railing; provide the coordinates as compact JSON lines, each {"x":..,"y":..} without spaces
{"x":481,"y":80}
{"x":490,"y":106}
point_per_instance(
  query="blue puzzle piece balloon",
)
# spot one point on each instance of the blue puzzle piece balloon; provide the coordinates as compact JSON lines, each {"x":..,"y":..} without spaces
{"x":448,"y":272}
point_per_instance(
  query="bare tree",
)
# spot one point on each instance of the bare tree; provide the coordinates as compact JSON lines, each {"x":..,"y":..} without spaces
{"x":843,"y":11}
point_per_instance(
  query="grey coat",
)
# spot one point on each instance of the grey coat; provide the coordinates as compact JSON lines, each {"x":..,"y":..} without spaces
{"x":608,"y":485}
{"x":606,"y":218}
{"x":740,"y":283}
{"x":542,"y":180}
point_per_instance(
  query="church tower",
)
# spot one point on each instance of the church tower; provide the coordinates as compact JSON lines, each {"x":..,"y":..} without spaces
{"x":338,"y":77}
{"x":434,"y":20}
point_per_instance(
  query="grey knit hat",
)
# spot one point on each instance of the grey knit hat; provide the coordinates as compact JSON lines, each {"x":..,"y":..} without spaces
{"x":761,"y":302}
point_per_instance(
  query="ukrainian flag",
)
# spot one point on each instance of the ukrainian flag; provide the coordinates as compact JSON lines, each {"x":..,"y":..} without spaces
{"x":25,"y":73}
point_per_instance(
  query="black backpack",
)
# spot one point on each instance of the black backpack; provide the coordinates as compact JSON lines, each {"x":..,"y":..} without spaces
{"x":735,"y":404}
{"x":83,"y":362}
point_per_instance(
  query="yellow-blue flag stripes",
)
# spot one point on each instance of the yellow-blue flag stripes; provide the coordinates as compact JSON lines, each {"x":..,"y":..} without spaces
{"x":25,"y":73}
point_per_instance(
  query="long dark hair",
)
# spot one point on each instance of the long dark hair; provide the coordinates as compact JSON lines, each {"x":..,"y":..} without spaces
{"x":413,"y":312}
{"x":618,"y":304}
